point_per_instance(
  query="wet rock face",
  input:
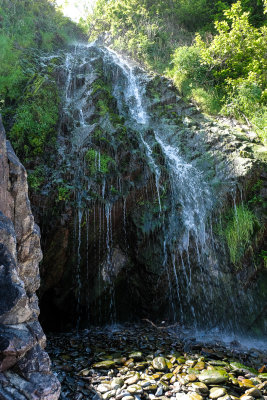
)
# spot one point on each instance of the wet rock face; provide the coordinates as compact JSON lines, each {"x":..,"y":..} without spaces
{"x":145,"y":178}
{"x":24,"y":365}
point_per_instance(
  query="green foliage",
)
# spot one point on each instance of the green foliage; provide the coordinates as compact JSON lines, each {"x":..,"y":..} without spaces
{"x":36,"y":118}
{"x":64,"y":193}
{"x":194,"y":79}
{"x":36,"y":177}
{"x":228,"y":73}
{"x":97,"y":162}
{"x":238,"y":231}
{"x":29,"y":99}
{"x":150,"y":31}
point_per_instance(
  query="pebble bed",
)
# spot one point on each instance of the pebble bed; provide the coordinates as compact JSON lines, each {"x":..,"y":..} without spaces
{"x":139,"y":362}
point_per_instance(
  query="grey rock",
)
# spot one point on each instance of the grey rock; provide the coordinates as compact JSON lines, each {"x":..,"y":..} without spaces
{"x":24,"y":365}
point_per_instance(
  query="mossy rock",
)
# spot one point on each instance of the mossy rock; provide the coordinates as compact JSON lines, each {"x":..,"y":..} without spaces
{"x":213,"y":377}
{"x":104,"y":364}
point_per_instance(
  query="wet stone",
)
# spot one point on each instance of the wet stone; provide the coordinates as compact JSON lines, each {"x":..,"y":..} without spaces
{"x":199,"y":387}
{"x":254,"y":392}
{"x":194,"y":396}
{"x":246,"y":397}
{"x":159,"y":363}
{"x":217,"y":392}
{"x":103,"y":388}
{"x":137,"y":355}
{"x":108,"y":395}
{"x":199,"y":365}
{"x":135,"y":389}
{"x":104,"y":364}
{"x":132,"y":380}
{"x":98,"y":374}
{"x":213,"y":377}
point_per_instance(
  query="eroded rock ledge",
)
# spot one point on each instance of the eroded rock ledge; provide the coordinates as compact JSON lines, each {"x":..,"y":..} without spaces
{"x":24,"y":365}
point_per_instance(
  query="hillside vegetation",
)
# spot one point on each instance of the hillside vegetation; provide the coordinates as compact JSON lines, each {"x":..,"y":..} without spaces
{"x":214,"y":51}
{"x":29,"y":98}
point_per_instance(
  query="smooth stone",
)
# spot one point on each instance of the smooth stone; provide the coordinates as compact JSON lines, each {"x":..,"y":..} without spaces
{"x":129,"y":363}
{"x":150,"y":387}
{"x":199,"y":366}
{"x":136,"y":355}
{"x":190,"y":363}
{"x":199,"y":387}
{"x":213,"y":377}
{"x":117,"y":381}
{"x":135,"y":389}
{"x":159,"y":391}
{"x":193,"y":371}
{"x":151,"y":396}
{"x":104,"y":364}
{"x":103,"y":388}
{"x":132,"y":380}
{"x":128,"y":397}
{"x":144,"y":384}
{"x":108,"y":395}
{"x":194,"y":396}
{"x":246,"y":397}
{"x":159,"y":363}
{"x":218,"y":363}
{"x":263,"y":376}
{"x":181,"y":360}
{"x":226,"y":397}
{"x":254,"y":392}
{"x":177,"y":370}
{"x":167,"y":377}
{"x":217,"y":392}
{"x":191,"y":378}
{"x":122,"y":395}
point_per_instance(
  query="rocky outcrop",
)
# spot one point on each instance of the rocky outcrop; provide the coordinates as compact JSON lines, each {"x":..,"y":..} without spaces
{"x":24,"y":365}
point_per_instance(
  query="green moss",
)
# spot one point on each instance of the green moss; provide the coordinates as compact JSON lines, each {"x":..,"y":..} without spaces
{"x":238,"y":232}
{"x":97,"y":162}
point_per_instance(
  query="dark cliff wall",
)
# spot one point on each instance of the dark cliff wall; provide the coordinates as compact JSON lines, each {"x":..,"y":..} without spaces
{"x":24,"y":365}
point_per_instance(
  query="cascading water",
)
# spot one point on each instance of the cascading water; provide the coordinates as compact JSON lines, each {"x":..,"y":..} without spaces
{"x":141,"y":208}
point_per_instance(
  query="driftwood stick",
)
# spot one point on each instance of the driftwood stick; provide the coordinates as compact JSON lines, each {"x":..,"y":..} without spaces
{"x":159,"y":327}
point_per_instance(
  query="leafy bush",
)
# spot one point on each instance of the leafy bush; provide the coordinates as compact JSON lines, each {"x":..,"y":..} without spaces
{"x":227,"y":73}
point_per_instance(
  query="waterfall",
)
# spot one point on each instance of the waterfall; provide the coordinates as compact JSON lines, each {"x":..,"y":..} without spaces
{"x":121,"y":159}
